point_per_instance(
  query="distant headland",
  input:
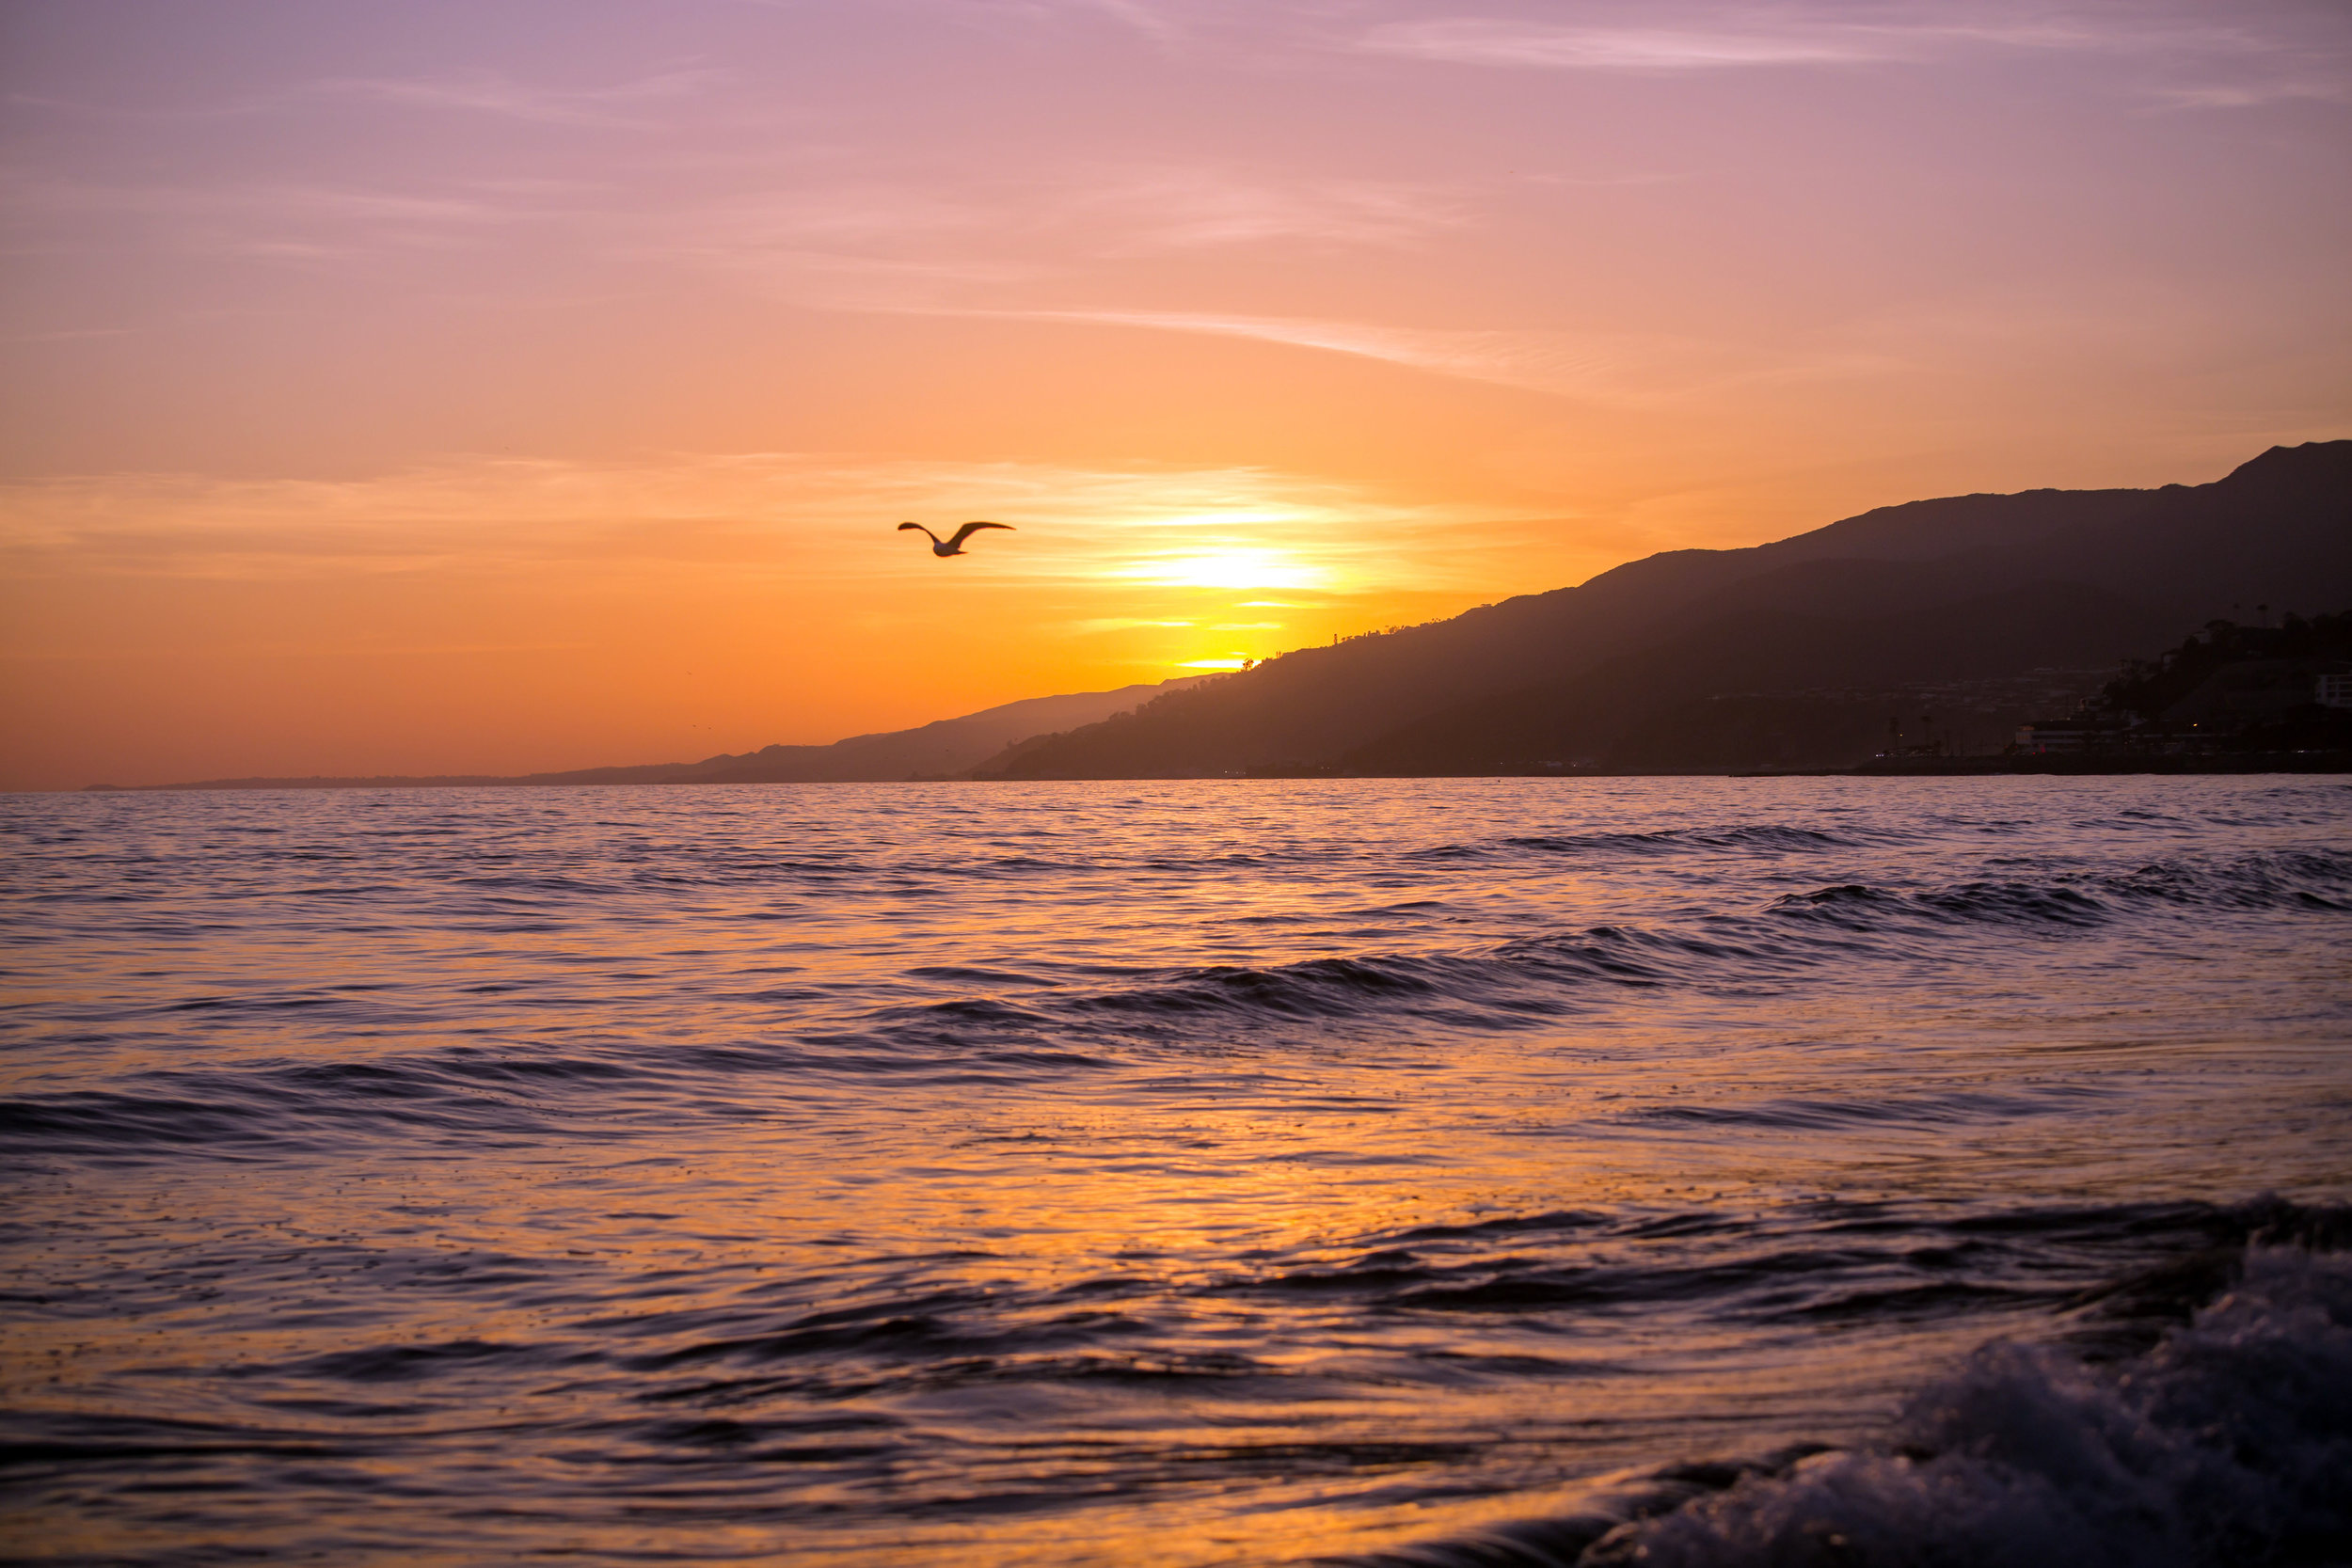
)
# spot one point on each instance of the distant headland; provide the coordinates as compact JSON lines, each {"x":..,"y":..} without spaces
{"x":945,"y":749}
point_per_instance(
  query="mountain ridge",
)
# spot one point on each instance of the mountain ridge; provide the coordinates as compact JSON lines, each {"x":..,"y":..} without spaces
{"x":1944,"y":591}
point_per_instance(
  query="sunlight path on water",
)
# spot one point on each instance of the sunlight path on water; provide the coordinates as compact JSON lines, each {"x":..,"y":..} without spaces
{"x":1170,"y":1174}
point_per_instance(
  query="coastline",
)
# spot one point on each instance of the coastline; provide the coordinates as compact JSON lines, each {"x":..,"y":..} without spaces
{"x":1971,"y":768}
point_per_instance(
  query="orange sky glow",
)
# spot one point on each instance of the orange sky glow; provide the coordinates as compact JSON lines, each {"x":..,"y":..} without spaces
{"x":538,"y":383}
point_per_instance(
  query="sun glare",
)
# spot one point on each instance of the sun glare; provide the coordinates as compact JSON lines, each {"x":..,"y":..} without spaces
{"x":1241,"y":569}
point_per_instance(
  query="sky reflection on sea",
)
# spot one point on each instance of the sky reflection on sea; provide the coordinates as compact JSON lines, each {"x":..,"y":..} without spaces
{"x":1174,"y":1174}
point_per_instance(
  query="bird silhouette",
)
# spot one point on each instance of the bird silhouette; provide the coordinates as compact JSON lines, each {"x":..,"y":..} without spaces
{"x":955,"y":546}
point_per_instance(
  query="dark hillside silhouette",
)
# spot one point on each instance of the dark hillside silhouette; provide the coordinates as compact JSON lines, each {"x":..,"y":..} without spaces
{"x":948,"y":746}
{"x":1669,"y":661}
{"x":1696,"y":701}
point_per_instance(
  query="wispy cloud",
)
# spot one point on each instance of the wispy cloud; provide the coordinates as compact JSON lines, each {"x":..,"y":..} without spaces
{"x":915,"y":244}
{"x":2235,"y":56}
{"x":628,"y":105}
{"x":1615,"y":368}
{"x":1154,"y":22}
{"x":2332,"y":88}
{"x":1096,"y":624}
{"x":1194,"y":207}
{"x":800,"y":518}
{"x":881,"y":242}
{"x":485,"y":93}
{"x":67,"y":335}
{"x":1472,"y":41}
{"x":1120,"y":210}
{"x":282,"y":221}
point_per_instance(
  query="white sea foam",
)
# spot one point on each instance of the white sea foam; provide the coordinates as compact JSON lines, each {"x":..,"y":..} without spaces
{"x":2229,"y":1442}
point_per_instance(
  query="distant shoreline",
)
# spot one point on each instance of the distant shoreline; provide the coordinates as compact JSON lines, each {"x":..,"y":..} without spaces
{"x":2185,"y":766}
{"x":2252,"y":762}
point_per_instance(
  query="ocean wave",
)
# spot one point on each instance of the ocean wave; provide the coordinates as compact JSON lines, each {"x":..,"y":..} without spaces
{"x":1838,"y":1259}
{"x":1052,"y":1029}
{"x":1765,"y":836}
{"x":1755,"y":838}
{"x":1530,"y":979}
{"x":284,"y":1109}
{"x":1794,"y":1115}
{"x":2225,"y":1441}
{"x":2316,"y":879}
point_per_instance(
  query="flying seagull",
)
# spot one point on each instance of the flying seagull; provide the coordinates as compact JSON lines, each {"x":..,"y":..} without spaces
{"x":952,"y":547}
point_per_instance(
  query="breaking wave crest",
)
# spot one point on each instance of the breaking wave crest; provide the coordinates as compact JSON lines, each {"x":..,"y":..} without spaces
{"x":2227,"y":1442}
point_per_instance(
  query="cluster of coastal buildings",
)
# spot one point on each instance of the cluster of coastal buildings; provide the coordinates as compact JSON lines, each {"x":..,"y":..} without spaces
{"x":2235,"y":700}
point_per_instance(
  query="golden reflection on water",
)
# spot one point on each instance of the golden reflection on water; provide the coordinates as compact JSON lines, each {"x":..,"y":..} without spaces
{"x":603,"y":1178}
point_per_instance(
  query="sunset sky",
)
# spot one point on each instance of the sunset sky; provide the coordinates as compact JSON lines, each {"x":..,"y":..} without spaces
{"x":511,"y":385}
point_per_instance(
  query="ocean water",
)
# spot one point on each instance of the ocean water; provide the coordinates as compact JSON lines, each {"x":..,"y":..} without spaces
{"x":1671,"y":1171}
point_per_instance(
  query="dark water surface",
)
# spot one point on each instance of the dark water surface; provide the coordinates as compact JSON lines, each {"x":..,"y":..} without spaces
{"x":1671,"y":1171}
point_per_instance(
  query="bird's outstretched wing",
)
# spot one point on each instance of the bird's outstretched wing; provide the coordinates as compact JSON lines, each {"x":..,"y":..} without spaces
{"x":970,"y":529}
{"x":917,"y":527}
